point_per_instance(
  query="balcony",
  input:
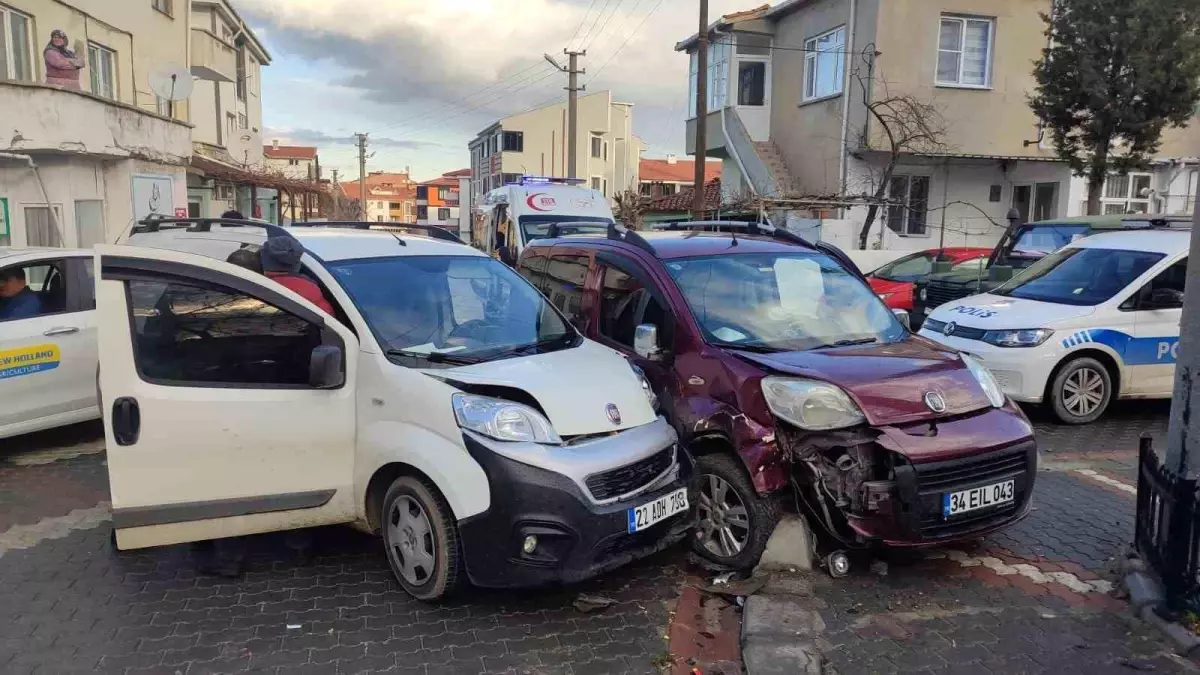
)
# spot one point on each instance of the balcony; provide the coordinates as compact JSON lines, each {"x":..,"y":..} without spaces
{"x":212,"y":58}
{"x":48,"y":119}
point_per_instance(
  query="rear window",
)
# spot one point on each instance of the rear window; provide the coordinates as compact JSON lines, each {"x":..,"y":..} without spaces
{"x":1043,"y":239}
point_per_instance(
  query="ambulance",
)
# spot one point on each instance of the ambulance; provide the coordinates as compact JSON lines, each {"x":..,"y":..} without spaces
{"x":1095,"y":321}
{"x":513,"y":215}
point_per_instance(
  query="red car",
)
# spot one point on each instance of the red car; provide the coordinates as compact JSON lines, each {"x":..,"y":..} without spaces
{"x":894,"y":282}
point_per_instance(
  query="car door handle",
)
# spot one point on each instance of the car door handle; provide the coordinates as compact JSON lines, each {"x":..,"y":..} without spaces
{"x":61,"y":330}
{"x":126,"y":420}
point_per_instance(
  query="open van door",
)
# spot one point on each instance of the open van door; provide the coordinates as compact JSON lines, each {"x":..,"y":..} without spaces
{"x":228,"y":400}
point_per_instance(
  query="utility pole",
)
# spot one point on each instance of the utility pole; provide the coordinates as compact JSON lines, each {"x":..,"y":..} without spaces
{"x":362,"y":174}
{"x":573,"y":72}
{"x":1183,"y":431}
{"x":701,"y":113}
{"x":337,"y":197}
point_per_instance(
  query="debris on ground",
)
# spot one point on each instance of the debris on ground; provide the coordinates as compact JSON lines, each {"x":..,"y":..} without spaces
{"x":592,"y":603}
{"x":738,"y":588}
{"x":879,"y":568}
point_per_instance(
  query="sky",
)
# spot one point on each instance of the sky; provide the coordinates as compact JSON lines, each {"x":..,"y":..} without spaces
{"x":423,"y":77}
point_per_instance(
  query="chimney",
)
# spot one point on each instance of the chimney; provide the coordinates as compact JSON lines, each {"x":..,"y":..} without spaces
{"x":275,"y":143}
{"x":672,"y":159}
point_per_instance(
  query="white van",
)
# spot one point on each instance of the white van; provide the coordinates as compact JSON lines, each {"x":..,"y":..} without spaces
{"x":440,"y":407}
{"x":1094,"y":321}
{"x":513,"y":215}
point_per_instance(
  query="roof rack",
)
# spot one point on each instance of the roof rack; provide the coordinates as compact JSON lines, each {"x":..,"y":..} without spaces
{"x":157,"y":224}
{"x":780,"y":233}
{"x":433,"y":231}
{"x":621,"y":233}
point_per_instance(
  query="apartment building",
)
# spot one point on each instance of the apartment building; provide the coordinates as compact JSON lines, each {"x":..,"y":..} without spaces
{"x":789,"y":95}
{"x":390,"y":198}
{"x":79,"y":162}
{"x":439,"y":200}
{"x":665,"y":177}
{"x":535,"y":143}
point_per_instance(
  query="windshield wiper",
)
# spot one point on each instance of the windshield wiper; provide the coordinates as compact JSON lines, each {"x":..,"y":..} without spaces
{"x":434,"y":357}
{"x":847,"y":343}
{"x":756,"y":348}
{"x":567,"y":339}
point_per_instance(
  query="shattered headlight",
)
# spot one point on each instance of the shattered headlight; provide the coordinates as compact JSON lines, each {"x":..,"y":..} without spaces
{"x":810,"y":405}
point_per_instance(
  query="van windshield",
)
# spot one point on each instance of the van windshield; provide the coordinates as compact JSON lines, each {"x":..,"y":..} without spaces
{"x":782,"y":302}
{"x":1079,"y":276}
{"x":452,"y":309}
{"x":537,"y":227}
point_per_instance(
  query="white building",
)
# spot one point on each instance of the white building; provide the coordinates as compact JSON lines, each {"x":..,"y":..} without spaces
{"x":297,"y":162}
{"x":535,"y":143}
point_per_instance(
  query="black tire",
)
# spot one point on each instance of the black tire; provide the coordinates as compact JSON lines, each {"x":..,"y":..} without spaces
{"x":1068,"y":405}
{"x":761,"y":512}
{"x":425,"y":580}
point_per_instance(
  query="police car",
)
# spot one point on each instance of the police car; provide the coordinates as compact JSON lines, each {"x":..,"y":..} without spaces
{"x":48,"y":361}
{"x":1094,"y":321}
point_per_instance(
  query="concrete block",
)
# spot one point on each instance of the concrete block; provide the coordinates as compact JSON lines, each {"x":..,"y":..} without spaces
{"x":780,"y":616}
{"x":1186,"y":642}
{"x":790,"y":546}
{"x":762,"y":657}
{"x":1144,"y":590}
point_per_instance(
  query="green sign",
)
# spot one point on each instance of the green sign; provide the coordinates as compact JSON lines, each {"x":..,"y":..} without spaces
{"x":4,"y":239}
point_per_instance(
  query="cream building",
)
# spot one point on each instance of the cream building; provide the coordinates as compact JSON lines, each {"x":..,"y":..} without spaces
{"x":788,"y":113}
{"x":535,"y":143}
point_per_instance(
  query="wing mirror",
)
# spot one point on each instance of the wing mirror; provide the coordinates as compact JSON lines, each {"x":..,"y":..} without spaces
{"x":902,"y":317}
{"x":645,"y":341}
{"x":325,"y":368}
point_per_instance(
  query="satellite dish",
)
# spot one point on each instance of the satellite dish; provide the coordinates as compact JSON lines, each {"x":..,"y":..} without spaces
{"x":172,"y":83}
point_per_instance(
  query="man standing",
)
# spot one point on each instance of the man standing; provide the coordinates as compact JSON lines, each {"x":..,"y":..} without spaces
{"x":17,"y":300}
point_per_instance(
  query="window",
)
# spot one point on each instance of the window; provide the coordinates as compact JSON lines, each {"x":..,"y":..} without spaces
{"x":244,"y":122}
{"x":187,"y":334}
{"x":646,"y":189}
{"x":102,"y":67}
{"x":624,"y":305}
{"x":604,"y":187}
{"x":1079,"y":276}
{"x":89,"y":222}
{"x":422,"y":213}
{"x":564,"y":285}
{"x":692,"y":84}
{"x":87,"y":294}
{"x":1129,"y":193}
{"x":1174,"y":278}
{"x":241,"y":73}
{"x":595,"y":182}
{"x":908,"y":268}
{"x":230,"y":125}
{"x":443,"y":193}
{"x":824,"y":62}
{"x":47,"y":294}
{"x":597,"y":147}
{"x":443,"y":214}
{"x":293,"y":162}
{"x":509,"y":178}
{"x":606,"y":151}
{"x":16,"y":47}
{"x":1036,"y":202}
{"x":395,"y":206}
{"x":39,"y":227}
{"x":162,"y":106}
{"x":514,"y":141}
{"x":965,"y":52}
{"x":163,"y":6}
{"x":752,"y":83}
{"x":716,"y":77}
{"x":668,"y":189}
{"x":910,"y":205}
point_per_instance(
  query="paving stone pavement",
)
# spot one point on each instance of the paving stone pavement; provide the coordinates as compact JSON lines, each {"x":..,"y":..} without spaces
{"x":73,"y":605}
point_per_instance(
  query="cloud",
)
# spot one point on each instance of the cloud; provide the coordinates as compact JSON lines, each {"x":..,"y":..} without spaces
{"x":322,"y":139}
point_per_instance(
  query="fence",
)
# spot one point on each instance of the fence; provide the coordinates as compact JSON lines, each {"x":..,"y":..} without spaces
{"x":1167,"y":529}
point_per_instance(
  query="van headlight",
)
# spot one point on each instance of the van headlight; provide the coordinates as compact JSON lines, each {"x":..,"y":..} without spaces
{"x":503,"y":420}
{"x":986,"y":380}
{"x":651,"y":397}
{"x":810,"y":405}
{"x":1024,"y":337}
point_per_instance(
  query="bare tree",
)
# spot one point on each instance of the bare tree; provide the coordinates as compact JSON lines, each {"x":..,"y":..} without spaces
{"x":907,"y":125}
{"x":630,"y":207}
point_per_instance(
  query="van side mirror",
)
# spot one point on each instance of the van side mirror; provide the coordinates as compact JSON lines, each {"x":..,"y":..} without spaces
{"x":902,"y":317}
{"x":1000,"y":273}
{"x":1165,"y":298}
{"x":325,"y":368}
{"x":645,"y":341}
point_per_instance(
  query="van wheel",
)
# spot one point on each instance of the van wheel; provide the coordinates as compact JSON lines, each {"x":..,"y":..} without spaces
{"x":1081,"y":391}
{"x":420,"y":538}
{"x":733,"y":521}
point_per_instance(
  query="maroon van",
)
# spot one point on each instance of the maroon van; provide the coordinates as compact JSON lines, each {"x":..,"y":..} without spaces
{"x":780,"y":369}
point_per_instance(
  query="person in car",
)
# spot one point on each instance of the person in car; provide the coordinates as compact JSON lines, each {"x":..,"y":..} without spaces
{"x":244,"y":257}
{"x":17,"y":300}
{"x":281,"y":262}
{"x":233,"y":214}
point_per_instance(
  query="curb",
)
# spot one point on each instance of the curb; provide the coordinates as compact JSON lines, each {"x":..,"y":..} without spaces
{"x":1146,"y":597}
{"x":779,"y":630}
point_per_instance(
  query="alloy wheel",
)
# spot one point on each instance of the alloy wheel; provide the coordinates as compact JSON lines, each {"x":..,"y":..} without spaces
{"x":410,"y":540}
{"x":724,"y":526}
{"x":1083,"y":392}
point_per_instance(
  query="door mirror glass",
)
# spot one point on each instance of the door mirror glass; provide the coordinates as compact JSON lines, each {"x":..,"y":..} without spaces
{"x":325,"y":368}
{"x":645,"y":341}
{"x":902,"y":317}
{"x":1165,"y":298}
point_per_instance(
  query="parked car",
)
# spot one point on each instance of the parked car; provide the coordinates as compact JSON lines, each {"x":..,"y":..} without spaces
{"x":1095,"y":321}
{"x":48,"y":361}
{"x":894,"y":282}
{"x":779,"y":367}
{"x":439,"y":406}
{"x":1020,"y":247}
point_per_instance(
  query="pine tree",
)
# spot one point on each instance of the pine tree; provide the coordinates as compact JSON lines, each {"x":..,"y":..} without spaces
{"x":1115,"y":74}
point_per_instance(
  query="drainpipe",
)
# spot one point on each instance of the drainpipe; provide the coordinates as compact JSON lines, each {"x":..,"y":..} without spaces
{"x":45,"y":195}
{"x":842,"y":164}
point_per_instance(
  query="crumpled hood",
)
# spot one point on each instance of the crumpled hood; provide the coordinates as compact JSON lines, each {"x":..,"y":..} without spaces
{"x":993,"y":312}
{"x":888,"y":381}
{"x":573,"y":386}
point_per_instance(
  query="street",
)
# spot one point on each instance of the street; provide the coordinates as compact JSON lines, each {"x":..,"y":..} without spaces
{"x":1034,"y":598}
